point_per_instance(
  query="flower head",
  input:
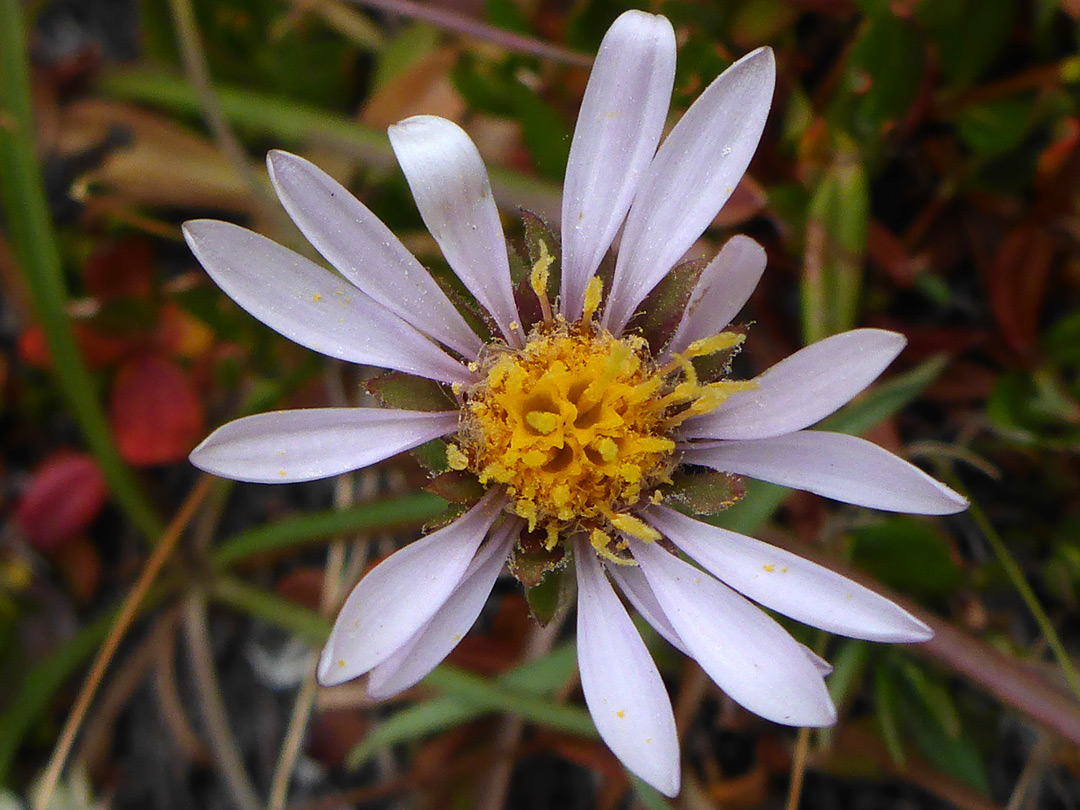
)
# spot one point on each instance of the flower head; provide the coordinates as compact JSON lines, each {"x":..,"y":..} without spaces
{"x":582,"y":415}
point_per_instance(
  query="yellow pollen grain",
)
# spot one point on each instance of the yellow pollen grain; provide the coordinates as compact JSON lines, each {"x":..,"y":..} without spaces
{"x":317,"y":297}
{"x":455,"y":458}
{"x":542,"y":421}
{"x":621,"y":713}
{"x":769,"y":568}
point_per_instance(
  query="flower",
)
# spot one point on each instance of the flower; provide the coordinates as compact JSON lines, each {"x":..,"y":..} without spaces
{"x":580,"y":422}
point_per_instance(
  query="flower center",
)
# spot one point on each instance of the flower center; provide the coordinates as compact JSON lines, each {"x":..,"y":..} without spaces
{"x":577,"y":425}
{"x":573,"y":425}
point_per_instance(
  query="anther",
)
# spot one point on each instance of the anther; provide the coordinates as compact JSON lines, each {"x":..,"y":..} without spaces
{"x":633,"y":526}
{"x":593,"y":294}
{"x":714,"y":344}
{"x":538,"y":280}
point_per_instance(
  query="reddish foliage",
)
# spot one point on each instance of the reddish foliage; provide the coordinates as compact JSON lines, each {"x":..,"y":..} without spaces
{"x":156,"y":415}
{"x":1017,"y":283}
{"x":121,"y":270}
{"x":80,"y":565}
{"x":99,"y":350}
{"x":65,"y":493}
{"x":303,"y":585}
{"x":33,"y":350}
{"x":334,"y":733}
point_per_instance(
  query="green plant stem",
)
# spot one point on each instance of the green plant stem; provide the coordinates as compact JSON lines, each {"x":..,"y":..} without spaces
{"x":34,"y":242}
{"x":1023,"y":587}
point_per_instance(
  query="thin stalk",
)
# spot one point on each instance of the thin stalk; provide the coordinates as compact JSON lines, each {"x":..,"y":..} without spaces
{"x":450,"y":20}
{"x":1023,"y":587}
{"x":208,"y":689}
{"x":329,"y":601}
{"x":198,"y":73}
{"x":112,"y":642}
{"x":798,"y":769}
{"x":35,"y":246}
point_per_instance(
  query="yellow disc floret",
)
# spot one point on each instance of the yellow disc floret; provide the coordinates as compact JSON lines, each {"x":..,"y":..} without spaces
{"x":573,"y":426}
{"x":577,"y":425}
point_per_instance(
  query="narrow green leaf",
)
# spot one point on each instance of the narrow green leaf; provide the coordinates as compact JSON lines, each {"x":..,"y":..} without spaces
{"x":648,"y":795}
{"x":416,"y":722}
{"x":398,"y":513}
{"x":907,"y":553}
{"x":996,"y":127}
{"x":836,"y":244}
{"x":29,"y":226}
{"x":933,"y":695}
{"x":887,"y":713}
{"x":482,"y":694}
{"x":284,"y":121}
{"x":541,"y":677}
{"x":271,"y":608}
{"x":31,"y":698}
{"x":849,"y":665}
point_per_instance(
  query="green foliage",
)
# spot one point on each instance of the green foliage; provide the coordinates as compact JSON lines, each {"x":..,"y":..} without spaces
{"x":836,"y":242}
{"x":910,"y":554}
{"x":995,"y":128}
{"x":906,"y":142}
{"x":951,"y":25}
{"x":498,"y":90}
{"x":913,"y":705}
{"x":886,"y":69}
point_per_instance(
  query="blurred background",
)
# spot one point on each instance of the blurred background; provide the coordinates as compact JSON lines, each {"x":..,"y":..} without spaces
{"x":919,"y":172}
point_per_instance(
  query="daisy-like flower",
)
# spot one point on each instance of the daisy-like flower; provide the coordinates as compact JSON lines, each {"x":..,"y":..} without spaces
{"x":580,"y":429}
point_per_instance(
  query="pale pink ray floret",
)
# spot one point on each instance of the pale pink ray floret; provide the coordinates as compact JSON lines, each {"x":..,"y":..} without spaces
{"x":384,"y":309}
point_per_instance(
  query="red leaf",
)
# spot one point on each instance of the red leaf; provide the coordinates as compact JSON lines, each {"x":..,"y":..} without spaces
{"x":65,"y":493}
{"x":156,"y":416}
{"x":33,"y":348}
{"x":98,"y":349}
{"x":1017,"y":284}
{"x":121,"y":270}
